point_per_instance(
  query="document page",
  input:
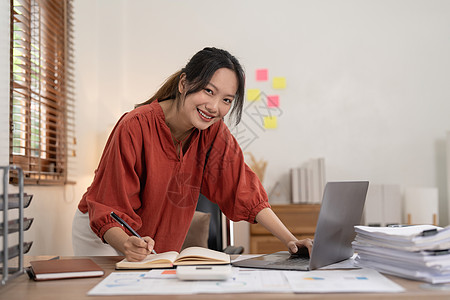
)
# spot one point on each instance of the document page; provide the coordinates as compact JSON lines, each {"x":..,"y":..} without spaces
{"x":246,"y":280}
{"x":162,"y":282}
{"x":346,"y":281}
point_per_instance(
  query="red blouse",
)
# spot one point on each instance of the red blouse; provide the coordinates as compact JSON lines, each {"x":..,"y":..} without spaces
{"x":142,"y":179}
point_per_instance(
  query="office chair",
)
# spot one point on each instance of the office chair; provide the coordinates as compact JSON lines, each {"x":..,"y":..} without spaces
{"x":215,"y":239}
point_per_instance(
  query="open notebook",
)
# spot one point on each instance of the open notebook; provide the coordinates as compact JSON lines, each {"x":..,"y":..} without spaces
{"x":189,"y":256}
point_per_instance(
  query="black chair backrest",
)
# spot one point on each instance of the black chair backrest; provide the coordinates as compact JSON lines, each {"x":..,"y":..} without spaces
{"x":215,"y":227}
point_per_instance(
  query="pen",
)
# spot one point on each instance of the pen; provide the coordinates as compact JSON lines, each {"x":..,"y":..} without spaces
{"x":125,"y":224}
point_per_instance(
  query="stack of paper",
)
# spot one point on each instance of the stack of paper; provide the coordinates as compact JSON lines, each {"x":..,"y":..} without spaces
{"x":420,"y":252}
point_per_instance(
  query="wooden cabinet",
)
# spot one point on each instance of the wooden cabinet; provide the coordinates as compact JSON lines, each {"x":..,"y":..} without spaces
{"x":300,"y":219}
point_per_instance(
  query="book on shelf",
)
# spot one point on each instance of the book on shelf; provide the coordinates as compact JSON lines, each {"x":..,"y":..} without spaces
{"x":308,"y":182}
{"x":383,"y":205}
{"x":64,"y":268}
{"x":302,"y":182}
{"x":295,"y":186}
{"x":189,"y":256}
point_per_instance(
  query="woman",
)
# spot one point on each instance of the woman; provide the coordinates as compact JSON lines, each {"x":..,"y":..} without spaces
{"x":161,"y":155}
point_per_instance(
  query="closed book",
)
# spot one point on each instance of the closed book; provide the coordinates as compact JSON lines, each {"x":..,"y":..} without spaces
{"x":303,"y":185}
{"x":65,"y":268}
{"x":295,"y":189}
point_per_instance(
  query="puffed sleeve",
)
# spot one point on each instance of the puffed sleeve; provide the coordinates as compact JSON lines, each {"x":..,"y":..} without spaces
{"x":116,"y":184}
{"x":229,"y":182}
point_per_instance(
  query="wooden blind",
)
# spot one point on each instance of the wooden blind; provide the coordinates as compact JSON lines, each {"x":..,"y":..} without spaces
{"x":42,"y":133}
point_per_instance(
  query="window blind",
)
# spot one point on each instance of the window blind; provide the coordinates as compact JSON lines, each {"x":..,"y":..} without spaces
{"x":42,"y":135}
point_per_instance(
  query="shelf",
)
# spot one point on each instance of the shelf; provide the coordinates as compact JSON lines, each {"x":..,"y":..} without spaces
{"x":14,"y":225}
{"x":300,"y":219}
{"x":14,"y":251}
{"x":13,"y":201}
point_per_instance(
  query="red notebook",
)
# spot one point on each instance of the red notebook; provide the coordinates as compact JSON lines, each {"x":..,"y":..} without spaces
{"x":65,"y":268}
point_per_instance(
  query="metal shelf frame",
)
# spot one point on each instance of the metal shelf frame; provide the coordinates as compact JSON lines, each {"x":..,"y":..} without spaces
{"x":7,"y":272}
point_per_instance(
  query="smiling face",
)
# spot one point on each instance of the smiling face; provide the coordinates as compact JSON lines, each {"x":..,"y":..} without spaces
{"x":207,"y":106}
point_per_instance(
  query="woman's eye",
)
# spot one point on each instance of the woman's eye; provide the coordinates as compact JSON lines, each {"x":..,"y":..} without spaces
{"x":209,"y":91}
{"x":228,"y":100}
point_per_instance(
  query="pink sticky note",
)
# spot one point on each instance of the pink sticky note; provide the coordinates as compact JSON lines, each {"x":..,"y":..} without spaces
{"x":262,"y":75}
{"x":273,"y":101}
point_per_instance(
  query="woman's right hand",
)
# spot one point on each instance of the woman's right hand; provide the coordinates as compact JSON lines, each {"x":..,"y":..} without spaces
{"x":136,"y":249}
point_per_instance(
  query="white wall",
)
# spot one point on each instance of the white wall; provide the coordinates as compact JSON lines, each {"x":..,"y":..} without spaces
{"x":366,"y":79}
{"x":4,"y":83}
{"x":367,"y":85}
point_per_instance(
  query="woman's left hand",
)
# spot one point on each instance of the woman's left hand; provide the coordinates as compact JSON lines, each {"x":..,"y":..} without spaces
{"x":294,"y":246}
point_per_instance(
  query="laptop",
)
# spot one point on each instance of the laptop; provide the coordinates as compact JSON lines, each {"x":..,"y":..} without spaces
{"x":341,"y":210}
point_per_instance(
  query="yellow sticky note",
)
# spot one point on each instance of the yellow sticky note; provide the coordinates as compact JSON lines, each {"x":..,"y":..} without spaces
{"x":279,"y":83}
{"x":270,"y":122}
{"x":253,"y":94}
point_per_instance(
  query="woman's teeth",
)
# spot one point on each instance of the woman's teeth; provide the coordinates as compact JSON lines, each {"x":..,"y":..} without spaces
{"x":205,"y":116}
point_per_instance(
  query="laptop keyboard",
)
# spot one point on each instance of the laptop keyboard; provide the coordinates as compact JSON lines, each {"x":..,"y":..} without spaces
{"x":277,"y":261}
{"x":292,"y":261}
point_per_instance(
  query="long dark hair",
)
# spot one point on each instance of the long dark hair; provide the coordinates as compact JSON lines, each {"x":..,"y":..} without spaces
{"x":199,"y":71}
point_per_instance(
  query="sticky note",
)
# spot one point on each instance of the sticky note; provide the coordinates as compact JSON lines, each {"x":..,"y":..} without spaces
{"x":253,"y":94}
{"x":262,"y":74}
{"x":279,"y":83}
{"x":273,"y":101}
{"x":270,"y":122}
